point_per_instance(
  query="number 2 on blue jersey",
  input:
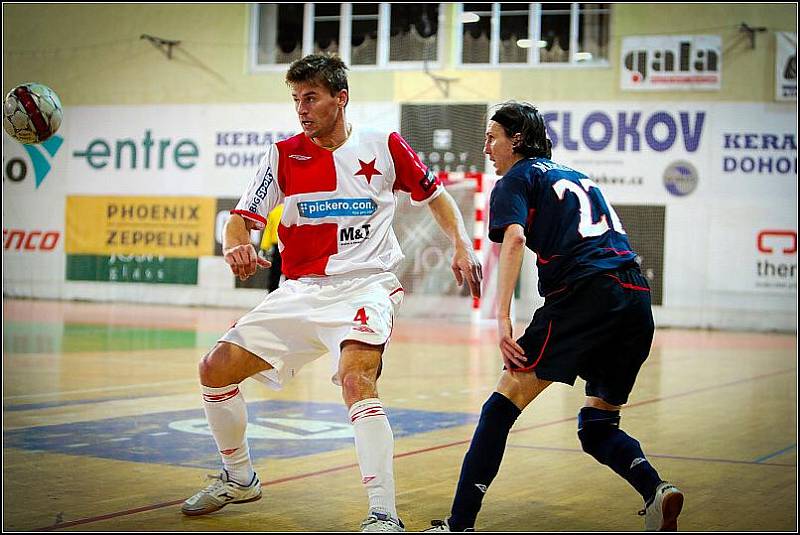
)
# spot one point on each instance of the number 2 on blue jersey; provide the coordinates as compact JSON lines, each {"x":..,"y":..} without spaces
{"x":587,"y":228}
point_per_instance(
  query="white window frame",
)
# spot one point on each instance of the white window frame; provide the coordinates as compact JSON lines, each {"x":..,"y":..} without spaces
{"x":345,"y":29}
{"x":534,"y":34}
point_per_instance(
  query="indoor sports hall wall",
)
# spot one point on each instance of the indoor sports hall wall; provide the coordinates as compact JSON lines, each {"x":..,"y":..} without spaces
{"x":126,"y":203}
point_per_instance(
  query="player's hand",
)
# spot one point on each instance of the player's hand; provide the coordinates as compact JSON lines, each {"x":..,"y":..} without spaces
{"x":244,"y":261}
{"x":513,"y":354}
{"x":466,"y":266}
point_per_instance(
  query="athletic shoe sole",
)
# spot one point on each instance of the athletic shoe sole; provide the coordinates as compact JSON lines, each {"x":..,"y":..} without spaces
{"x":670,"y":509}
{"x":206,"y":511}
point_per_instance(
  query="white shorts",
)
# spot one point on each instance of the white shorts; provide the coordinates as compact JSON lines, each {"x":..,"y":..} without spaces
{"x":304,"y":319}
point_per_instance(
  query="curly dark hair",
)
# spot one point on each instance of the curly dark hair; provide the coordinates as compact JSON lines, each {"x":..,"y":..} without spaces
{"x":325,"y":69}
{"x":524,"y":119}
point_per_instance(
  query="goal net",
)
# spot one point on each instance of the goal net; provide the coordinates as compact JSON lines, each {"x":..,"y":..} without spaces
{"x":449,"y":139}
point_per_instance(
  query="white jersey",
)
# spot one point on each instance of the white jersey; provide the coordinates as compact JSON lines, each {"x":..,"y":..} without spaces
{"x":338,"y":205}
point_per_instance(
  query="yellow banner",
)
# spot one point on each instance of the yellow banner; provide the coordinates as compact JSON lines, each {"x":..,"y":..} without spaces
{"x":176,"y":227}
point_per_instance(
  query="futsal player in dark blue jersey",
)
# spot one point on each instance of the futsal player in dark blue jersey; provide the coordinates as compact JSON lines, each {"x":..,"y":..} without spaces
{"x":596,"y":322}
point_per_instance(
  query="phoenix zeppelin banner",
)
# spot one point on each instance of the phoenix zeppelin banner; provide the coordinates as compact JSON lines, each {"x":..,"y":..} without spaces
{"x":177,"y":227}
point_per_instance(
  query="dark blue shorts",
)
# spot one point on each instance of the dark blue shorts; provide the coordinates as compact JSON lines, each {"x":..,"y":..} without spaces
{"x":600,"y":328}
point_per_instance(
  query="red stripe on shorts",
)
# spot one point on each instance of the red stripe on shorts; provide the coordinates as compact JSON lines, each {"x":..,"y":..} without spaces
{"x":547,"y":339}
{"x":627,"y":285}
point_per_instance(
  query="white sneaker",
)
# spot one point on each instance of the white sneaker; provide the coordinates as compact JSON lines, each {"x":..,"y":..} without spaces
{"x":442,"y":525}
{"x":220,"y":493}
{"x":662,"y":513}
{"x":377,"y":521}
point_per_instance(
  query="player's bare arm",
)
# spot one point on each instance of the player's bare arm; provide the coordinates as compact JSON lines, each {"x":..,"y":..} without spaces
{"x":466,"y":265}
{"x":511,"y":253}
{"x":239,"y":253}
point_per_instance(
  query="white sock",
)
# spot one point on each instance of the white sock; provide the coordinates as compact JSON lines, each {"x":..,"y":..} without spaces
{"x":375,"y":449}
{"x":226,"y":412}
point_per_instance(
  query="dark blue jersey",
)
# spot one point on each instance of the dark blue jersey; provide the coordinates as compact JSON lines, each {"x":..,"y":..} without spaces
{"x":568,"y":223}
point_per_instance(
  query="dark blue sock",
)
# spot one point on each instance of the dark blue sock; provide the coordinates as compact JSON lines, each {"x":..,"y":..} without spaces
{"x":482,"y":460}
{"x":600,"y":436}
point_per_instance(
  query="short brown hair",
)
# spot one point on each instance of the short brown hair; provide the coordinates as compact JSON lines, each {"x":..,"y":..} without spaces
{"x":325,"y":69}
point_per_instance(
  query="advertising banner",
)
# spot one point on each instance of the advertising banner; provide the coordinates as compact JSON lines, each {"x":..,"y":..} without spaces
{"x":132,"y":268}
{"x":184,"y":149}
{"x":31,"y":223}
{"x":163,"y":226}
{"x":786,"y":66}
{"x":140,"y":193}
{"x":671,"y":62}
{"x":635,"y":152}
{"x":678,"y":152}
{"x":753,"y":254}
{"x":33,"y":232}
{"x":753,"y":148}
{"x":31,"y":168}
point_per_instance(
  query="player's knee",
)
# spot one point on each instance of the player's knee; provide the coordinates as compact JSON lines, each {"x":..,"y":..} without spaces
{"x":211,"y":365}
{"x":204,"y":367}
{"x":353,"y":380}
{"x":356,"y":383}
{"x":595,"y":426}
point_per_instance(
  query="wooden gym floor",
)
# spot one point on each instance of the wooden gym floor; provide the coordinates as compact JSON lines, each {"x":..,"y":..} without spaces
{"x":103,"y":430}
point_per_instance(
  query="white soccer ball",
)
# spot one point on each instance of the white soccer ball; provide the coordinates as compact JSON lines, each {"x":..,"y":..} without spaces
{"x":31,"y":113}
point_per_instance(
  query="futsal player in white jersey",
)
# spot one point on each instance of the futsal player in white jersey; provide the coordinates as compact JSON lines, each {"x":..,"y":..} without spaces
{"x":338,"y":183}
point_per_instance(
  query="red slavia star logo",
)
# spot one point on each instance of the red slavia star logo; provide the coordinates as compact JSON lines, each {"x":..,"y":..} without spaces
{"x":368,"y":170}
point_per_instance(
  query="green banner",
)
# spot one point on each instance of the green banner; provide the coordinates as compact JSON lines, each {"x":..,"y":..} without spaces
{"x":132,"y":268}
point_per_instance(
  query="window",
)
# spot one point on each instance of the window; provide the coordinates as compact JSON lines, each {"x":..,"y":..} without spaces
{"x":476,"y":35}
{"x":413,"y":31}
{"x":377,"y":35}
{"x":278,"y":41}
{"x":593,"y":34}
{"x":364,"y":34}
{"x":327,"y":23}
{"x":554,"y":38}
{"x":514,"y":25}
{"x":525,"y":34}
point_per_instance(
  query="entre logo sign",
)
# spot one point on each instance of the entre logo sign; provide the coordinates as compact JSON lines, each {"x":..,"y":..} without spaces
{"x":145,"y":153}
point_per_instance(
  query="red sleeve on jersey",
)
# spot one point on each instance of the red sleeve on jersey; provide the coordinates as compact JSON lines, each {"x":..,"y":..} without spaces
{"x":413,"y":176}
{"x":257,"y":219}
